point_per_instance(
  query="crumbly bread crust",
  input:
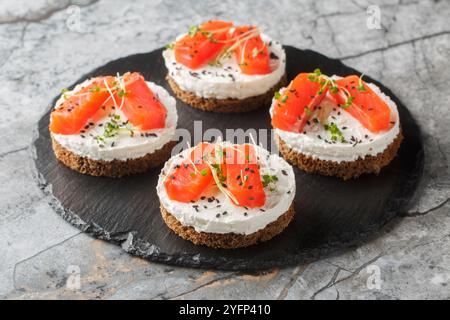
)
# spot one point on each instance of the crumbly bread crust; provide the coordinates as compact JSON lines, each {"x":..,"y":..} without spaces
{"x":228,"y":240}
{"x":345,"y":170}
{"x":114,"y":168}
{"x":226,"y":105}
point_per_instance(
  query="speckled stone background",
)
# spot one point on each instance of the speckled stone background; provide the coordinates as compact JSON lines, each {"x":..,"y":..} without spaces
{"x":47,"y":44}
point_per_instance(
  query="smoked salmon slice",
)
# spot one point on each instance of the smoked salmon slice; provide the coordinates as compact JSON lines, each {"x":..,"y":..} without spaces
{"x":141,"y":106}
{"x":367,"y":106}
{"x":188,"y":180}
{"x":296,"y":104}
{"x":235,"y":168}
{"x":202,"y":44}
{"x":243,"y":179}
{"x":72,"y":115}
{"x":96,"y":100}
{"x":251,"y":52}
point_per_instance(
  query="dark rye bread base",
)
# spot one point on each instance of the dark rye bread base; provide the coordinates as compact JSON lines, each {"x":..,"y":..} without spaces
{"x":345,"y":170}
{"x":226,"y":105}
{"x":228,"y":240}
{"x":114,"y":168}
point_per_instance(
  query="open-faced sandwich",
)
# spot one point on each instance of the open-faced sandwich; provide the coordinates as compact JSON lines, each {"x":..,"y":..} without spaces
{"x":218,"y":66}
{"x":225,"y":195}
{"x":335,"y":126}
{"x":113,"y":126}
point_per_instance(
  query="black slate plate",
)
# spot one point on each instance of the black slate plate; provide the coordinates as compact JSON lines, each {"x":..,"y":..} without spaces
{"x":331,"y":213}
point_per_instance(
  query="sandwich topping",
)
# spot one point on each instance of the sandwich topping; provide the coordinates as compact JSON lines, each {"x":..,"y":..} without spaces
{"x":220,"y":60}
{"x":334,"y":118}
{"x":107,"y":118}
{"x":225,"y":187}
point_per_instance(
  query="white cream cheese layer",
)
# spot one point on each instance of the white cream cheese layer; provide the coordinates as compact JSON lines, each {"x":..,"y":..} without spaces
{"x":316,"y":141}
{"x":125,"y":145}
{"x":227,"y":81}
{"x":216,"y":213}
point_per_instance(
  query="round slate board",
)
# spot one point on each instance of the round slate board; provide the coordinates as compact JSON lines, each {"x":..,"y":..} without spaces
{"x":331,"y":213}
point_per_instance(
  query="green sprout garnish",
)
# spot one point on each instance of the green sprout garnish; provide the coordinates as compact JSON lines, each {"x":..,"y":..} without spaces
{"x":209,"y":35}
{"x":348,"y":103}
{"x":121,"y":93}
{"x":64,"y":93}
{"x":335,"y":132}
{"x":277,"y":95}
{"x":193,"y":30}
{"x":334,"y":89}
{"x":112,"y":129}
{"x":308,"y":111}
{"x":95,"y":89}
{"x":314,"y":76}
{"x":269,"y":179}
{"x":360,"y":86}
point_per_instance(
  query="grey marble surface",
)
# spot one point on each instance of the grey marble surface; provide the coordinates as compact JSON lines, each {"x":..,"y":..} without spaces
{"x":43,"y":49}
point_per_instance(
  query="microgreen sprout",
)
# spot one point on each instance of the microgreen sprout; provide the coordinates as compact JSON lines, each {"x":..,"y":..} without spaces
{"x":308,"y":111}
{"x":193,"y":30}
{"x":348,"y":103}
{"x":360,"y":86}
{"x":277,"y":95}
{"x":334,"y":132}
{"x":112,"y":128}
{"x":269,"y":180}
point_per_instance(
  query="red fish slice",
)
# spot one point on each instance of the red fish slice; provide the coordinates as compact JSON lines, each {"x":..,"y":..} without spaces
{"x":251,"y":52}
{"x":367,"y":107}
{"x":243,"y":179}
{"x":203,"y":44}
{"x":191,"y":178}
{"x":297,"y":103}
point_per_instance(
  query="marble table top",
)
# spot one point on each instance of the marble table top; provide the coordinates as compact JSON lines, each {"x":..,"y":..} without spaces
{"x":46,"y":45}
